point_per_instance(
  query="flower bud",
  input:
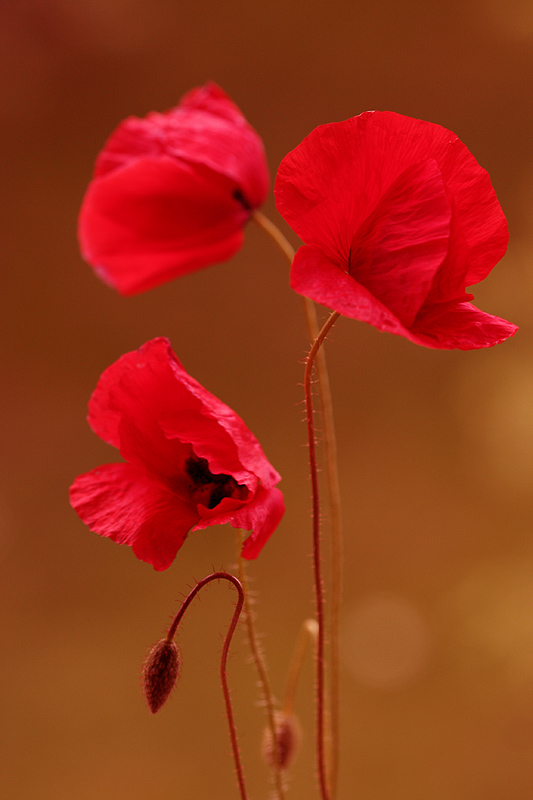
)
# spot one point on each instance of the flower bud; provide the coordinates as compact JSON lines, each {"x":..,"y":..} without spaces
{"x":288,"y":736}
{"x":160,"y":673}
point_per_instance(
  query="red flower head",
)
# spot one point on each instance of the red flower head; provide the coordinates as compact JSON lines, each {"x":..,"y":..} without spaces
{"x":190,"y":461}
{"x":398,"y":218}
{"x":172,"y":192}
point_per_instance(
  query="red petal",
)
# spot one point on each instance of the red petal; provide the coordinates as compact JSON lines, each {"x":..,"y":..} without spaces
{"x":461,"y":326}
{"x":144,"y":370}
{"x":479,"y":229}
{"x":213,"y":100}
{"x":207,"y":129}
{"x":124,"y":504}
{"x":225,"y":510}
{"x":130,"y":398}
{"x":163,"y":408}
{"x":261,"y":516}
{"x":144,"y":445}
{"x":402,"y":245}
{"x":219,"y":435}
{"x":333,"y":181}
{"x":315,"y":276}
{"x":155,"y":219}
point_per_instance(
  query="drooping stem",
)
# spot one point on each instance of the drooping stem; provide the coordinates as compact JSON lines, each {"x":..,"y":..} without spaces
{"x":262,"y":673}
{"x":223,"y":660}
{"x":323,"y":771}
{"x":332,"y":482}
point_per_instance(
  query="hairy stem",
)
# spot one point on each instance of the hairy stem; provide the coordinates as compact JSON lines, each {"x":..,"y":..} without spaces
{"x":332,"y":482}
{"x":323,"y":771}
{"x":262,"y":673}
{"x":223,"y":660}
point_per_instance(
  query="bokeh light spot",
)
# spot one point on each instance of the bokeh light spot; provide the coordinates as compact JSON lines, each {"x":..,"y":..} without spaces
{"x":386,"y":641}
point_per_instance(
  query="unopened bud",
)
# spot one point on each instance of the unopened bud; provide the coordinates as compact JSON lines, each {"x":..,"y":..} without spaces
{"x":288,"y":736}
{"x":160,"y":673}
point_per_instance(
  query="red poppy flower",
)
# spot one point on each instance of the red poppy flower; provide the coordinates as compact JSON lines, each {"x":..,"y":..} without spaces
{"x":172,"y":192}
{"x":191,"y":461}
{"x":398,"y":218}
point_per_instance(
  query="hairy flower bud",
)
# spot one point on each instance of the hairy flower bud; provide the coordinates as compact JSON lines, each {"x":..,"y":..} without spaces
{"x":160,"y":673}
{"x":288,"y":736}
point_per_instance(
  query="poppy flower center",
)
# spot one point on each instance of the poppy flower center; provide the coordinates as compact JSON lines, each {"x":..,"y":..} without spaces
{"x":209,"y":489}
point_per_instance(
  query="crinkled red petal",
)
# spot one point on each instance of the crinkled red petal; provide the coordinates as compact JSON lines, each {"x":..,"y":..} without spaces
{"x":144,"y":445}
{"x":126,"y":505}
{"x":261,"y":516}
{"x":225,"y":509}
{"x":147,"y":402}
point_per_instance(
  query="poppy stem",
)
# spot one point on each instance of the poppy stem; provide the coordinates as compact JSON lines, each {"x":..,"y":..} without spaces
{"x":323,"y":771}
{"x":335,"y":521}
{"x":332,"y":479}
{"x":274,"y":232}
{"x":259,"y":662}
{"x":217,"y":576}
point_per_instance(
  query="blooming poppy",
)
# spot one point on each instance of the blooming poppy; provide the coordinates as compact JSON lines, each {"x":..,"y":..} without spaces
{"x":172,"y":192}
{"x":190,"y":461}
{"x":398,"y":218}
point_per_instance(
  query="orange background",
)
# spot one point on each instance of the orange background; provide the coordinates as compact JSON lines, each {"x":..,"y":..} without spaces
{"x":435,"y":448}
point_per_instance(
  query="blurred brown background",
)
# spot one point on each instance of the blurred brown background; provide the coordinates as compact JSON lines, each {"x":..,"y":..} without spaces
{"x":435,"y":448}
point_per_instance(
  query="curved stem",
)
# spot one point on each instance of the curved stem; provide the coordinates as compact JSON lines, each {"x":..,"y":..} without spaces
{"x":223,"y":660}
{"x":262,"y":673}
{"x":319,"y":589}
{"x":332,"y":478}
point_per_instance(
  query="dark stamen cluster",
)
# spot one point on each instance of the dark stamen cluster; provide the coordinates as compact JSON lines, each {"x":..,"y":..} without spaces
{"x":215,"y":486}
